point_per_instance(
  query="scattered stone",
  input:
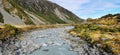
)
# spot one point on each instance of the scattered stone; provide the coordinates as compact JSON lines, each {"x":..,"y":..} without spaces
{"x":48,"y":38}
{"x":46,"y":50}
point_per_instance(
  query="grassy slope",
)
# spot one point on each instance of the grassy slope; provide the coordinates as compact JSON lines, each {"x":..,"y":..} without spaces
{"x":20,"y":12}
{"x":49,"y":15}
{"x":106,"y":36}
{"x":109,"y":19}
{"x":103,"y":32}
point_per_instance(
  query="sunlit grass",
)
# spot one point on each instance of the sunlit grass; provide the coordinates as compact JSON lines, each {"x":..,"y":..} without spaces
{"x":107,"y":36}
{"x":8,"y":31}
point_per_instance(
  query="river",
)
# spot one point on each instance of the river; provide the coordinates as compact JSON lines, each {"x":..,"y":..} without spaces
{"x":52,"y":41}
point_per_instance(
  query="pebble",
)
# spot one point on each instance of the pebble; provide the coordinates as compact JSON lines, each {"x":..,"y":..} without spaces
{"x":46,"y":50}
{"x":56,"y":37}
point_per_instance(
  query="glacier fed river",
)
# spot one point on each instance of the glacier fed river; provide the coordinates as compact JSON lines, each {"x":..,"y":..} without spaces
{"x":52,"y":41}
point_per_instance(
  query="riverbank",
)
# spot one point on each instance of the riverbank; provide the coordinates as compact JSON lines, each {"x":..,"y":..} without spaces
{"x":104,"y":37}
{"x":7,"y":31}
{"x":51,"y":41}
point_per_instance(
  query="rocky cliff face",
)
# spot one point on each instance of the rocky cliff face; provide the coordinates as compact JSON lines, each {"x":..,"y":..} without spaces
{"x":22,"y":12}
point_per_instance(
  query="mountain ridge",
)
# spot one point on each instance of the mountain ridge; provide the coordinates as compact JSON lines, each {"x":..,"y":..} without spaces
{"x":109,"y":19}
{"x":37,"y":12}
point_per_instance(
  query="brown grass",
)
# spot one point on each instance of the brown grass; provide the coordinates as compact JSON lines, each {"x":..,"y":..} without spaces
{"x":107,"y":36}
{"x":22,"y":28}
{"x":8,"y":31}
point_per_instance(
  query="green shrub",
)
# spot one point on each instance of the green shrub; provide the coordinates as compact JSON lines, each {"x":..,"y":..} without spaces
{"x":7,"y":32}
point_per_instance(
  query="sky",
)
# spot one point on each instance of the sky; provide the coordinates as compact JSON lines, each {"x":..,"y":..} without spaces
{"x":90,"y":8}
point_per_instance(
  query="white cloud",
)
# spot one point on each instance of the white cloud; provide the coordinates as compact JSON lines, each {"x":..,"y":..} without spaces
{"x":85,"y":8}
{"x":80,"y":5}
{"x":70,"y":4}
{"x":93,"y":7}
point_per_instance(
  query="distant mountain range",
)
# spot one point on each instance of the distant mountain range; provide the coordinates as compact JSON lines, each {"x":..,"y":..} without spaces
{"x":36,"y":12}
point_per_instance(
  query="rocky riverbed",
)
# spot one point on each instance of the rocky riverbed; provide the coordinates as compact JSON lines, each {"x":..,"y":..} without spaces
{"x":52,"y":41}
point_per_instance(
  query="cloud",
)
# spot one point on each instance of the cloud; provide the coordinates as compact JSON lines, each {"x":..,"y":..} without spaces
{"x":90,"y":8}
{"x":98,"y":6}
{"x":70,"y":4}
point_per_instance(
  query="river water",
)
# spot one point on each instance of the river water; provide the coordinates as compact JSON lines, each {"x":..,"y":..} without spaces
{"x":52,"y":41}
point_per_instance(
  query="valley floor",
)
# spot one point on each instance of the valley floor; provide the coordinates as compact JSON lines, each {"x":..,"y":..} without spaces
{"x":51,"y":41}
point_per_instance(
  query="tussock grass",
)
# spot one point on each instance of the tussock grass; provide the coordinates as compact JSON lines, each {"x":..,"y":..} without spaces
{"x":22,"y":28}
{"x":105,"y":37}
{"x":8,"y":31}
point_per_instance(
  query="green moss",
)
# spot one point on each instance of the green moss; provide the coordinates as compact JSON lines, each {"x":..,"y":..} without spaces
{"x":1,"y":18}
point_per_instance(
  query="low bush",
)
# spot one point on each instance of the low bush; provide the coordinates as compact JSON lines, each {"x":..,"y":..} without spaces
{"x":106,"y":35}
{"x":7,"y":32}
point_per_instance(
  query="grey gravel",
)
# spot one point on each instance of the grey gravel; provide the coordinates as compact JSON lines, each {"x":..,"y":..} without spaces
{"x":52,"y":41}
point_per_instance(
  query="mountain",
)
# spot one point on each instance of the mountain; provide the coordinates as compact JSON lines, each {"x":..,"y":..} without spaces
{"x":28,"y":12}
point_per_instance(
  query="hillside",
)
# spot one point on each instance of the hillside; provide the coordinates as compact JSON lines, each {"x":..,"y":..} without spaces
{"x":27,"y":12}
{"x":103,"y":33}
{"x":109,"y":19}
